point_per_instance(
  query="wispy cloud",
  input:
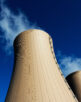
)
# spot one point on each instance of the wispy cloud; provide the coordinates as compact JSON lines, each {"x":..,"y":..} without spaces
{"x":11,"y":25}
{"x":68,"y":64}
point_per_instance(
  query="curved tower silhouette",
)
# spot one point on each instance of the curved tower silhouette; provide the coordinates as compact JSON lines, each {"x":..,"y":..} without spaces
{"x":36,"y":76}
{"x":74,"y":81}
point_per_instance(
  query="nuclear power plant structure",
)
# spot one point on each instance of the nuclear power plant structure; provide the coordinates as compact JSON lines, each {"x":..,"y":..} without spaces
{"x":74,"y":80}
{"x":36,"y":74}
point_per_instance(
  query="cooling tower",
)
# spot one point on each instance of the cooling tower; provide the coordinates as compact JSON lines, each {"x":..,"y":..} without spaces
{"x":36,"y":76}
{"x":74,"y":81}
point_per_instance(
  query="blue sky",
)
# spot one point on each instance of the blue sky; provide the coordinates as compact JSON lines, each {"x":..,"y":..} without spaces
{"x":60,"y":18}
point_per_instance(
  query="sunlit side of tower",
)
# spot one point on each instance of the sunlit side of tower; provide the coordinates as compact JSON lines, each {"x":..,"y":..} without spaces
{"x":36,"y":76}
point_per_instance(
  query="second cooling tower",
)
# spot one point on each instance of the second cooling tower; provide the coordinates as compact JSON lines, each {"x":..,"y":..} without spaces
{"x":74,"y":80}
{"x":36,"y":76}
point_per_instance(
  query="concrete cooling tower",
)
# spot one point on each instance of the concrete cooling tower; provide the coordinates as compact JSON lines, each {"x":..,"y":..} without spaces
{"x":74,"y":81}
{"x":36,"y":76}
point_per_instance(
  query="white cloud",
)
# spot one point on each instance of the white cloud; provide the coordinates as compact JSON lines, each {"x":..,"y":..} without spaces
{"x":11,"y":25}
{"x":68,"y":64}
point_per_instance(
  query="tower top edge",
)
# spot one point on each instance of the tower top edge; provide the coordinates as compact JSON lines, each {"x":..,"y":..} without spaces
{"x":73,"y":73}
{"x":32,"y":31}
